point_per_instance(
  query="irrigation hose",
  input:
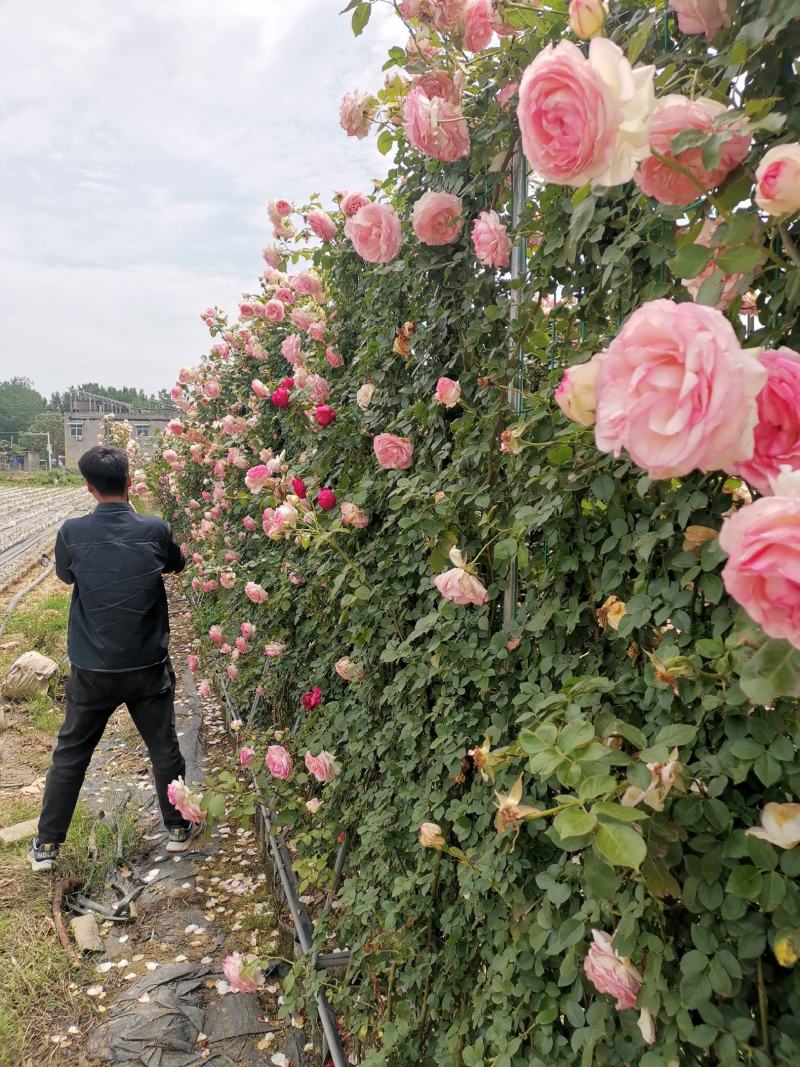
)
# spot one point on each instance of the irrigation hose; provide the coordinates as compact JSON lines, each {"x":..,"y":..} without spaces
{"x":48,"y":563}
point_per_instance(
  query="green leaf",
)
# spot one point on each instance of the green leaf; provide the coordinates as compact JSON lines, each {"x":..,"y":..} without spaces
{"x":737,"y":53}
{"x":214,"y":805}
{"x":712,"y":151}
{"x":740,"y":260}
{"x":622,"y":845}
{"x":638,"y":39}
{"x":595,"y":785}
{"x":687,"y":139}
{"x":360,"y":18}
{"x":710,"y":290}
{"x":676,"y":735}
{"x":690,"y":260}
{"x":574,"y":822}
{"x":506,"y":549}
{"x":385,"y":142}
{"x":575,"y":734}
{"x":745,"y":748}
{"x":745,"y":882}
{"x":618,"y":812}
{"x":771,"y":672}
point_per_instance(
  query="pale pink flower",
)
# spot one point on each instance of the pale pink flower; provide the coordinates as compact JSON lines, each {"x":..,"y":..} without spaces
{"x":204,"y":689}
{"x":435,"y":125}
{"x":762,"y":541}
{"x":227,"y":579}
{"x":272,"y":256}
{"x":778,"y":180}
{"x":243,"y":975}
{"x":436,"y":218}
{"x":295,"y":578}
{"x":676,"y":390}
{"x":587,"y":17}
{"x":673,"y":115}
{"x":284,"y":208}
{"x":274,"y":649}
{"x":333,"y":357}
{"x":274,"y":311}
{"x":780,"y":825}
{"x":461,"y":587}
{"x":576,"y":393}
{"x":478,"y":24}
{"x":447,"y":15}
{"x":316,"y":331}
{"x":318,"y":388}
{"x":505,"y":94}
{"x":249,"y":523}
{"x":247,"y":630}
{"x":364,"y":395}
{"x":490,"y":240}
{"x":611,"y":973}
{"x":255,"y":593}
{"x":349,"y":671}
{"x":307,"y":283}
{"x":216,"y":634}
{"x":257,"y":477}
{"x":313,"y":805}
{"x":259,"y":388}
{"x":375,"y":232}
{"x":192,"y":662}
{"x":701,"y":16}
{"x":186,"y":375}
{"x":301,"y":319}
{"x":352,"y":515}
{"x":448,"y":392}
{"x":175,"y":427}
{"x":279,"y":762}
{"x":431,"y":836}
{"x":324,"y":767}
{"x":356,"y":112}
{"x":247,"y":756}
{"x":585,"y":118}
{"x":212,"y":389}
{"x":290,"y":349}
{"x":777,"y":432}
{"x":393,"y":453}
{"x":242,"y":646}
{"x":322,"y":224}
{"x":353,"y":202}
{"x":185,"y":801}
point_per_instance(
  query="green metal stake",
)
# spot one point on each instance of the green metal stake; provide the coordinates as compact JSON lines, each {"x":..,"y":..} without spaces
{"x":516,"y":364}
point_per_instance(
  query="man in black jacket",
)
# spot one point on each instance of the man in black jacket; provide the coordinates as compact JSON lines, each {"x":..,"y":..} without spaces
{"x":118,"y":645}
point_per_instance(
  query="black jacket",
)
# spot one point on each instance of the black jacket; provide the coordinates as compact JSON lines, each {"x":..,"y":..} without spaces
{"x":118,"y":618}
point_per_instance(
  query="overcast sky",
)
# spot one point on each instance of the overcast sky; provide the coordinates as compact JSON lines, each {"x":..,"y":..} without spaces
{"x":139,"y":140}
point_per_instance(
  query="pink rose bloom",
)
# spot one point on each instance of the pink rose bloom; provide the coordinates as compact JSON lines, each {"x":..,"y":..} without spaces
{"x":318,"y":388}
{"x":259,"y":388}
{"x":299,"y":488}
{"x":295,"y":578}
{"x":274,"y":649}
{"x":436,"y":218}
{"x":212,"y":389}
{"x":185,"y":801}
{"x":316,"y":331}
{"x":490,"y":240}
{"x":701,"y":16}
{"x":175,"y":427}
{"x":255,"y":593}
{"x":284,"y":208}
{"x":280,"y":398}
{"x":274,"y":311}
{"x":777,"y":432}
{"x":611,"y":973}
{"x":242,"y":646}
{"x":192,"y":662}
{"x":279,"y":762}
{"x":322,"y":224}
{"x":587,"y":17}
{"x":393,"y":453}
{"x":248,"y":630}
{"x":272,"y":256}
{"x":249,"y":523}
{"x":435,"y":126}
{"x":247,"y":756}
{"x":256,"y":478}
{"x":204,"y":689}
{"x":333,"y":357}
{"x":762,"y":541}
{"x":301,"y":319}
{"x":232,"y":672}
{"x":673,"y":115}
{"x":356,"y":112}
{"x":307,"y":283}
{"x":447,"y":15}
{"x":585,"y":118}
{"x":216,"y":634}
{"x":324,"y":414}
{"x":505,"y":94}
{"x":353,"y":202}
{"x":375,"y":232}
{"x":732,"y":284}
{"x":576,"y":394}
{"x":352,"y":515}
{"x":290,"y":349}
{"x":478,"y":24}
{"x":676,"y":390}
{"x":170,"y":456}
{"x":326,"y":498}
{"x":324,"y":767}
{"x":447,"y":392}
{"x":243,"y":976}
{"x":186,"y":375}
{"x":227,"y":579}
{"x":461,"y":587}
{"x":778,"y":180}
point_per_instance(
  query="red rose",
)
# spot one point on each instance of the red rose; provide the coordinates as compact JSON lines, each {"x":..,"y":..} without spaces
{"x":287,"y":383}
{"x":298,"y":487}
{"x":324,"y":414}
{"x":280,"y":398}
{"x":326,"y":499}
{"x":312,"y":699}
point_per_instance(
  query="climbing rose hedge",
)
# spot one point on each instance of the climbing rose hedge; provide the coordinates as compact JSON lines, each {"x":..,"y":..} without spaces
{"x":572,"y":823}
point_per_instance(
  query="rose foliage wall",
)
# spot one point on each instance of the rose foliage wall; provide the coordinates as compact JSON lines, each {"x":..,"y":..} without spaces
{"x":574,"y":835}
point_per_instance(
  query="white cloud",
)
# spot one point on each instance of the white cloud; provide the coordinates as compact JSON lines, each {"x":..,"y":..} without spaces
{"x":140,"y":141}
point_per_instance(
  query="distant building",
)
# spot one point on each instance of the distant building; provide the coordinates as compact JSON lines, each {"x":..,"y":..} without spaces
{"x":83,"y":422}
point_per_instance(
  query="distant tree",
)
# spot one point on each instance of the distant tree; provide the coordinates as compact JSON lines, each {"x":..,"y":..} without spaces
{"x":19,"y":405}
{"x":51,"y":422}
{"x":127,"y":394}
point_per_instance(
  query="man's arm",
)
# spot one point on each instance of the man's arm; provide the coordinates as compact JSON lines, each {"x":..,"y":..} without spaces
{"x":175,"y":561}
{"x":63,"y":561}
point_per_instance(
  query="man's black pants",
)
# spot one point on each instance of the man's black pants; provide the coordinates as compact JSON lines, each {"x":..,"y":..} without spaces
{"x":92,"y":697}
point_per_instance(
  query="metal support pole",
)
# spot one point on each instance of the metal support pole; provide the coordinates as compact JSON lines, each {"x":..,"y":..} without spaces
{"x":516,"y":365}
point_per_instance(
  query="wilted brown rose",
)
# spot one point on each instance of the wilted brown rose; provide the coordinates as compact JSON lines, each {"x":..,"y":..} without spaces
{"x":610,"y":612}
{"x":694,"y":537}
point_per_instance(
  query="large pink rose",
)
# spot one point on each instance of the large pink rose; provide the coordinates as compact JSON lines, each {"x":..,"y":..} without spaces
{"x":447,"y":393}
{"x":433,"y":121}
{"x":762,"y":574}
{"x":611,"y":973}
{"x":255,"y":592}
{"x":393,"y":453}
{"x":447,"y":15}
{"x":322,"y":224}
{"x":243,"y":975}
{"x":478,"y":24}
{"x":490,"y":240}
{"x":461,"y":587}
{"x":356,"y":113}
{"x":375,"y":232}
{"x":701,"y":16}
{"x":733,"y":283}
{"x":676,"y":390}
{"x":257,"y":477}
{"x":436,"y":218}
{"x":278,"y":761}
{"x":673,"y":115}
{"x":185,"y":801}
{"x":584,"y":119}
{"x":777,"y":432}
{"x":778,"y":180}
{"x":324,"y":767}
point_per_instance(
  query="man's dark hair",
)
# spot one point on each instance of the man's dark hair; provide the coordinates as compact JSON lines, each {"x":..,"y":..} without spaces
{"x":105,"y":469}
